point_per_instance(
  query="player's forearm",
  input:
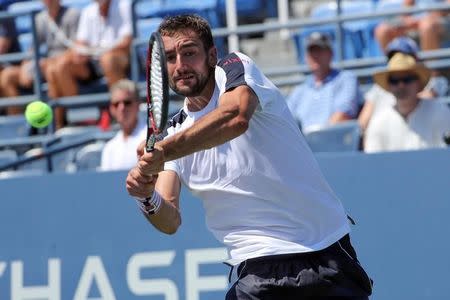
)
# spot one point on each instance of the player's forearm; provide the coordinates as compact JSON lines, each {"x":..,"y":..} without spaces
{"x":167,"y":219}
{"x":216,"y":128}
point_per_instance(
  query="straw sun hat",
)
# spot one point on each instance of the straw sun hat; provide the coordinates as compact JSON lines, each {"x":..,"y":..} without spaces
{"x":401,"y":62}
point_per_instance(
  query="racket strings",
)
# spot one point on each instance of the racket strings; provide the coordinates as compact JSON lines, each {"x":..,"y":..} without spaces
{"x":156,"y":84}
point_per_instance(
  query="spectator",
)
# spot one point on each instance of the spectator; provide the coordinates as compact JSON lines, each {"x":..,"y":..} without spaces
{"x":8,"y":44}
{"x":102,"y":48}
{"x":328,"y":95}
{"x":119,"y":152}
{"x":430,"y":28}
{"x":412,"y":123}
{"x":54,"y":27}
{"x":378,"y":98}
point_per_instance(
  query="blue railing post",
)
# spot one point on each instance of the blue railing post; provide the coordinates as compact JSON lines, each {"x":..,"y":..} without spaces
{"x":340,"y":47}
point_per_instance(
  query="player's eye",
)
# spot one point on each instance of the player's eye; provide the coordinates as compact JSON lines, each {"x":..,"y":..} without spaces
{"x":170,"y":57}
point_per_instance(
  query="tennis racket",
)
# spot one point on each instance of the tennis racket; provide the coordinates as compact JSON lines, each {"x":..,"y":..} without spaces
{"x":157,"y":90}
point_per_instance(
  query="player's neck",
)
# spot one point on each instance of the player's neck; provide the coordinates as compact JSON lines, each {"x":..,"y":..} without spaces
{"x":199,"y":102}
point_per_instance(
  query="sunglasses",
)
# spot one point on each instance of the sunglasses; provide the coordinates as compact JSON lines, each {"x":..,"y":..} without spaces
{"x":125,"y":103}
{"x":405,"y":79}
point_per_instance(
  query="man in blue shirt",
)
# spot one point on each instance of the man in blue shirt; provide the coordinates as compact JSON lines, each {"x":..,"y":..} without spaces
{"x":327,"y":96}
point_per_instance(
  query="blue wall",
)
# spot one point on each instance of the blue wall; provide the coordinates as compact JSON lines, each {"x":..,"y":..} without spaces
{"x":80,"y":236}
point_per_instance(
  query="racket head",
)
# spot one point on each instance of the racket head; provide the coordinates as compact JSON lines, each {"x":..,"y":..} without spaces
{"x":157,"y":89}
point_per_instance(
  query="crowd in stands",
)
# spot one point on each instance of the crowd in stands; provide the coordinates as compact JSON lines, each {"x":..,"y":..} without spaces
{"x":398,"y":112}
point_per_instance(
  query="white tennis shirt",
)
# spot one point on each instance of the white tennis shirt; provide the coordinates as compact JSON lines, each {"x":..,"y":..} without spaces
{"x":263,"y":192}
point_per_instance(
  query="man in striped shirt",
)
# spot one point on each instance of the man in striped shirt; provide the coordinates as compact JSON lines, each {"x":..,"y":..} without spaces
{"x":327,"y":96}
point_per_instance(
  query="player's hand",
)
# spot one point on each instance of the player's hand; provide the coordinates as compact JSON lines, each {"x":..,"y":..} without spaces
{"x":152,"y":162}
{"x":140,"y":150}
{"x":140,"y":185}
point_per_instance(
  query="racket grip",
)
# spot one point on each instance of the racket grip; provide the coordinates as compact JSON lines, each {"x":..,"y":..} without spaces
{"x":151,"y":141}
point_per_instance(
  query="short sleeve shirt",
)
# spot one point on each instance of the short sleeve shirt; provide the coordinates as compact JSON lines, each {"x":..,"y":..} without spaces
{"x":67,"y":22}
{"x":96,"y":31}
{"x":263,"y":192}
{"x":312,"y":105}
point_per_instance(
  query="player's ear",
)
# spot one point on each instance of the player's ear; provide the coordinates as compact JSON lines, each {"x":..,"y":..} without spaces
{"x":212,"y":56}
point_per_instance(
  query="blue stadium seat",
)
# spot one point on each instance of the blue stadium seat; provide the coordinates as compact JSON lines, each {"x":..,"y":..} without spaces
{"x":341,"y":137}
{"x":7,"y":156}
{"x":252,"y":9}
{"x":23,"y":23}
{"x":204,"y":8}
{"x":13,"y":127}
{"x":79,"y":4}
{"x":63,"y":161}
{"x":38,"y":164}
{"x":145,"y":27}
{"x":352,"y":36}
{"x":371,"y":46}
{"x":25,"y":40}
{"x":89,"y":157}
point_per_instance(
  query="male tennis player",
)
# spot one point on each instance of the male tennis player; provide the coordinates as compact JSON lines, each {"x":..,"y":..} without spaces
{"x":236,"y":146}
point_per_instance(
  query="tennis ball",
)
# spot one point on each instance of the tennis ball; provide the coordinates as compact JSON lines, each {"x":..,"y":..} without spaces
{"x":38,"y":114}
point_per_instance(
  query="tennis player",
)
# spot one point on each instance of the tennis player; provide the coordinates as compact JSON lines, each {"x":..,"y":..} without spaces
{"x":236,"y":146}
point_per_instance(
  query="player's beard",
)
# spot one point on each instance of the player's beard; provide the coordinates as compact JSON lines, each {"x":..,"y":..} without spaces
{"x":201,"y":80}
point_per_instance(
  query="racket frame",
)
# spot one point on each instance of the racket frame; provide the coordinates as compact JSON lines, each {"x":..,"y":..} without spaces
{"x":154,"y":129}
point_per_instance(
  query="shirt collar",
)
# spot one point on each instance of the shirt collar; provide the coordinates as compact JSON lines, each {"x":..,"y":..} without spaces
{"x":310,"y":81}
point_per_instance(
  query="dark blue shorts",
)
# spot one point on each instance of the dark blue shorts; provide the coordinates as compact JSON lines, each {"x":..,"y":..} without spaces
{"x":334,"y":271}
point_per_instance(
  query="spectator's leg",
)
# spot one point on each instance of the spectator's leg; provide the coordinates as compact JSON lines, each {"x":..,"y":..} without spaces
{"x":384,"y":33}
{"x":115,"y":65}
{"x":62,"y":77}
{"x":9,"y":83}
{"x":430,"y":32}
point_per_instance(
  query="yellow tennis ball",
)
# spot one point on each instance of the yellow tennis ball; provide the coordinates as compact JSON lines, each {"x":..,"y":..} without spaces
{"x":38,"y":114}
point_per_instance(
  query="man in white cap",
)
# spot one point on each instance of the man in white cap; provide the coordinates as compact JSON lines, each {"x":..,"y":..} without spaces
{"x":412,"y":123}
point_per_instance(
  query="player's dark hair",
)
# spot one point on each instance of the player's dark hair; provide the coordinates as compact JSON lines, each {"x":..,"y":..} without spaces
{"x":174,"y":24}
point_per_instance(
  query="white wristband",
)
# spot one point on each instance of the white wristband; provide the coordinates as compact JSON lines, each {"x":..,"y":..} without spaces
{"x":150,"y":205}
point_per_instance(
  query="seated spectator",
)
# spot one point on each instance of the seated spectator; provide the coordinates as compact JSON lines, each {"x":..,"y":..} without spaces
{"x":378,"y":98}
{"x":430,"y":28}
{"x":120,"y":152}
{"x":8,"y":44}
{"x":102,"y":48}
{"x":412,"y":123}
{"x":54,"y":26}
{"x":327,"y":96}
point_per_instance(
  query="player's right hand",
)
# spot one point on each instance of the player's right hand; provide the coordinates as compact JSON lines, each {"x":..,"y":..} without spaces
{"x":152,"y":162}
{"x":140,"y":185}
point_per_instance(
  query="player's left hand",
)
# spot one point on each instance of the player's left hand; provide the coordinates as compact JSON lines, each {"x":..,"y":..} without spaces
{"x":139,"y":185}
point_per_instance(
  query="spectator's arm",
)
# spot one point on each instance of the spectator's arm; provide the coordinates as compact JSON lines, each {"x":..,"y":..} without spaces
{"x":373,"y":140}
{"x":365,"y":115}
{"x":124,"y":44}
{"x":339,"y":117}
